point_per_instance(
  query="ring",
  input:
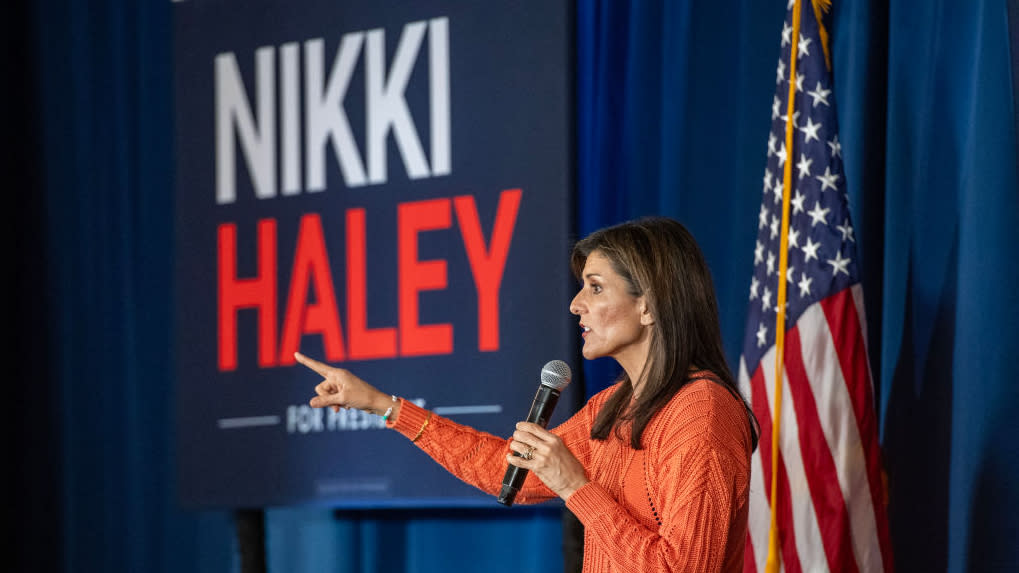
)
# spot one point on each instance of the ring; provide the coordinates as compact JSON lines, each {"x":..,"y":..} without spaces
{"x":529,"y":454}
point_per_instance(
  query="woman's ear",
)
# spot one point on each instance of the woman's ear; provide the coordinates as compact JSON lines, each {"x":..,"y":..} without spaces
{"x":646,"y":319}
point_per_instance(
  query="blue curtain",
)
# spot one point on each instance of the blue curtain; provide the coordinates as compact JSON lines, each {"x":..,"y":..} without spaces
{"x":950,"y":313}
{"x":97,"y":95}
{"x":673,"y":102}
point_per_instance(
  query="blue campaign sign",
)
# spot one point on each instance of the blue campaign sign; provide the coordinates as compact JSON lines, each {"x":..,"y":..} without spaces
{"x":384,"y":186}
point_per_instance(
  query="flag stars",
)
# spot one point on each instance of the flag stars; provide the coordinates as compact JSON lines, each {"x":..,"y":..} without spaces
{"x":847,"y":231}
{"x":803,"y":47}
{"x":820,"y":95}
{"x":797,"y":202}
{"x":794,"y":238}
{"x":785,"y":307}
{"x":810,"y":250}
{"x":828,"y":180}
{"x":810,"y":131}
{"x":817,"y":215}
{"x":796,"y":117}
{"x":839,"y":265}
{"x":791,"y":251}
{"x":836,"y":147}
{"x":804,"y":284}
{"x":804,"y":165}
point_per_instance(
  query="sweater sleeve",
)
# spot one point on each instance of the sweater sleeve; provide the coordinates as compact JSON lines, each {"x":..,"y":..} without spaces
{"x":699,"y":470}
{"x":479,"y":458}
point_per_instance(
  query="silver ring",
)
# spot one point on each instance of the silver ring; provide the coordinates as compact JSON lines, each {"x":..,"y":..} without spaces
{"x":529,"y":454}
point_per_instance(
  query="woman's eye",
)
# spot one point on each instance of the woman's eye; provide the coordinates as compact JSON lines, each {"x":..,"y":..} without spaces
{"x":596,"y":289}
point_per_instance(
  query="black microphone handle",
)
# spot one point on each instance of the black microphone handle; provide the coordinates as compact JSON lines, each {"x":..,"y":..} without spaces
{"x":541,"y":410}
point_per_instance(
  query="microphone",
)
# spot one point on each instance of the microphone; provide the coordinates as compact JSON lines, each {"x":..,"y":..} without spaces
{"x":554,"y":377}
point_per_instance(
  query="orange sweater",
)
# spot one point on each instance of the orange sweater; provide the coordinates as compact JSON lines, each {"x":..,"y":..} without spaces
{"x":679,"y":504}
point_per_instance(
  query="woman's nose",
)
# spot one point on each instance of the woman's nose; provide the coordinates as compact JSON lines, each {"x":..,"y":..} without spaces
{"x":575,"y":305}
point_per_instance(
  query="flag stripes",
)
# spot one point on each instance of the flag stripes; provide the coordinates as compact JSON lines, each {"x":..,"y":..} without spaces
{"x":843,"y":312}
{"x":840,"y":428}
{"x":825,"y":454}
{"x":817,"y":460}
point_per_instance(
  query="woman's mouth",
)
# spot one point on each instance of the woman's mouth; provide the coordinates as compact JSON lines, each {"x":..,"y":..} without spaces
{"x":584,"y":330}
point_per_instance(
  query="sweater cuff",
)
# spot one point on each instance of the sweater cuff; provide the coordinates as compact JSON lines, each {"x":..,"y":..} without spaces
{"x":410,"y":419}
{"x":589,"y":502}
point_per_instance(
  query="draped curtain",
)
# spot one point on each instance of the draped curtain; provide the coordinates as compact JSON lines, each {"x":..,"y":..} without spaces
{"x":673,"y":108}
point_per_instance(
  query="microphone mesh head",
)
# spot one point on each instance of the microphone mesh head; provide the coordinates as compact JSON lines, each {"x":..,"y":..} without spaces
{"x":556,"y":374}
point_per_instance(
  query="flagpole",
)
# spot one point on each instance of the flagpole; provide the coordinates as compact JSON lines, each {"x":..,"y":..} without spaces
{"x":772,"y":564}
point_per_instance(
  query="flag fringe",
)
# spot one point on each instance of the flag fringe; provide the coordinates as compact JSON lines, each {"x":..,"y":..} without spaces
{"x":823,"y":6}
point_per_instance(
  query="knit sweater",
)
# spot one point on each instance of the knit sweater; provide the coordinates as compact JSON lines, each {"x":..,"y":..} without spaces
{"x":678,"y":504}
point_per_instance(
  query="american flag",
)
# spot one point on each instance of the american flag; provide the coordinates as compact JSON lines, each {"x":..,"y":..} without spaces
{"x":829,"y":502}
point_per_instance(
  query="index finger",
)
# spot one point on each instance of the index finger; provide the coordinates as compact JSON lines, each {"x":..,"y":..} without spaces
{"x":315,"y":365}
{"x":536,"y":430}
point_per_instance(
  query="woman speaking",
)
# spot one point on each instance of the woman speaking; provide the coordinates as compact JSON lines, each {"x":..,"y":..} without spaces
{"x":657,"y":466}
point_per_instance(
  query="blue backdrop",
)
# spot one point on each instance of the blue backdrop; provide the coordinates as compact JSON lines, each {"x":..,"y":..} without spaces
{"x":672,"y":117}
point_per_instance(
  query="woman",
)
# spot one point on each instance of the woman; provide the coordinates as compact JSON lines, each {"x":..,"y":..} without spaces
{"x":657,"y":466}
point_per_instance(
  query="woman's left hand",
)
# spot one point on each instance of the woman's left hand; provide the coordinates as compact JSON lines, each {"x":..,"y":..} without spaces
{"x":550,"y":459}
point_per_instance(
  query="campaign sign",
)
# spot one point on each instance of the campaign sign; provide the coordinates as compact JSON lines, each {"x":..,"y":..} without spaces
{"x":384,"y":186}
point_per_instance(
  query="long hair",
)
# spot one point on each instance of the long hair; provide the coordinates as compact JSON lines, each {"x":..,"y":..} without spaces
{"x":659,"y":259}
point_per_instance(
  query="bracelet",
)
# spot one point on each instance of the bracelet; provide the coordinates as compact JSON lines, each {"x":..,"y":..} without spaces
{"x":389,"y":412}
{"x":423,"y":426}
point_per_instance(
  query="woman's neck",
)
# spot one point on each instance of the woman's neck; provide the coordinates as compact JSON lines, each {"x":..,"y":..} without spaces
{"x":637,"y":382}
{"x":633,"y":360}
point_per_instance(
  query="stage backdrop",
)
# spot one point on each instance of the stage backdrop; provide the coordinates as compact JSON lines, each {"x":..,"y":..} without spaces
{"x":381,"y":185}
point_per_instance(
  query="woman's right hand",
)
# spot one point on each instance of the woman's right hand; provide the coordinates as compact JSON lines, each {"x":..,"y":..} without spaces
{"x":342,"y":389}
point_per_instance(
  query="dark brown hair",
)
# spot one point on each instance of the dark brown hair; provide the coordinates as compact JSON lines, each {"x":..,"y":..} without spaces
{"x":659,"y":259}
